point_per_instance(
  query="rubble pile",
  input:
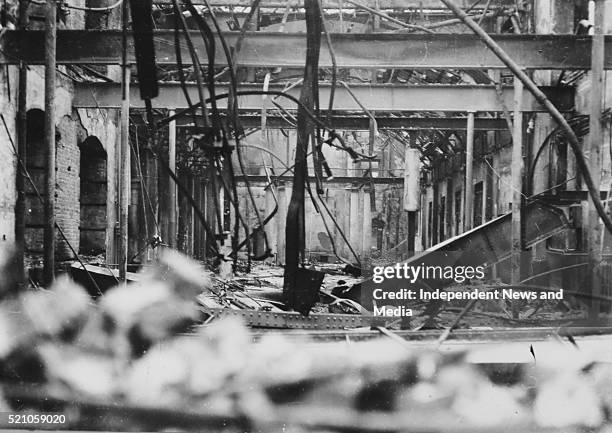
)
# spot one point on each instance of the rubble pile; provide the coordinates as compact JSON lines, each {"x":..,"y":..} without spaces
{"x":141,"y":347}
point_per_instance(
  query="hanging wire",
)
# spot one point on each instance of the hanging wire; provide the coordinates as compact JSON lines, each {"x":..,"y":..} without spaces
{"x":234,"y":113}
{"x":195,"y":61}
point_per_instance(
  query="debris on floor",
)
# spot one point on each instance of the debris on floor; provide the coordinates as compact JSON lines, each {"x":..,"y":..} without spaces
{"x":137,"y":350}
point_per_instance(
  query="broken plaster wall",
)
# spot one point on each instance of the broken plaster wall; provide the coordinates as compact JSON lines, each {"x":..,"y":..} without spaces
{"x":8,"y":160}
{"x":67,"y":173}
{"x":67,"y":163}
{"x":104,"y":125}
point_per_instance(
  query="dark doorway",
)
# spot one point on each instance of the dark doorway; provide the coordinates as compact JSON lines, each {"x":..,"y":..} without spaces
{"x":35,"y":163}
{"x":93,"y":197}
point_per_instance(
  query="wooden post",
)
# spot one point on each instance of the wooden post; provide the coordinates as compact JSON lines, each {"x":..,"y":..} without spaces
{"x":172,"y":202}
{"x":517,"y":188}
{"x":468,"y":206}
{"x":124,"y":177}
{"x":50,"y":64}
{"x":593,"y":227}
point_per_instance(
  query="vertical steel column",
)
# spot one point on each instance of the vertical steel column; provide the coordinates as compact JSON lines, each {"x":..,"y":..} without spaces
{"x":22,"y":147}
{"x":593,"y":227}
{"x":366,"y":230}
{"x":516,"y":174}
{"x":124,"y":177}
{"x":355,"y":221}
{"x":412,"y":228}
{"x":281,"y":223}
{"x":172,"y":204}
{"x":412,"y":190}
{"x":50,"y":65}
{"x":359,"y":246}
{"x":271,"y":226}
{"x":468,"y":207}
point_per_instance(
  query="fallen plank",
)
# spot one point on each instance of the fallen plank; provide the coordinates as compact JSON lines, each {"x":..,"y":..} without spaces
{"x":104,"y":277}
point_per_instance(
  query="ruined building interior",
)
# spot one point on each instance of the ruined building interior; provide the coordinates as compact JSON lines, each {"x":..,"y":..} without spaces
{"x":226,"y":180}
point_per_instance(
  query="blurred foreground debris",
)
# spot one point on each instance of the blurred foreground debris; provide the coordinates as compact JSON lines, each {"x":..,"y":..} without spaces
{"x":139,"y":358}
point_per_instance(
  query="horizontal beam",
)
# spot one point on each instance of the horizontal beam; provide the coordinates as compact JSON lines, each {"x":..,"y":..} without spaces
{"x":362,"y":122}
{"x":352,"y":50}
{"x":333,"y":4}
{"x":381,"y":97}
{"x":336,"y":180}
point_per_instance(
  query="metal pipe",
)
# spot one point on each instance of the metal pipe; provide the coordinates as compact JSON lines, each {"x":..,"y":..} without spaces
{"x":49,"y":130}
{"x":454,"y":21}
{"x":542,"y":99}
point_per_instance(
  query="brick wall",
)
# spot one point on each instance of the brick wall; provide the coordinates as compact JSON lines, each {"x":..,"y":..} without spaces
{"x":67,"y":167}
{"x":70,"y":131}
{"x":67,"y":186}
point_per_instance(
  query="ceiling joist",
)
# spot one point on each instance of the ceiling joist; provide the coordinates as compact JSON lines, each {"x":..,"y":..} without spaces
{"x":380,"y":97}
{"x":352,"y":50}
